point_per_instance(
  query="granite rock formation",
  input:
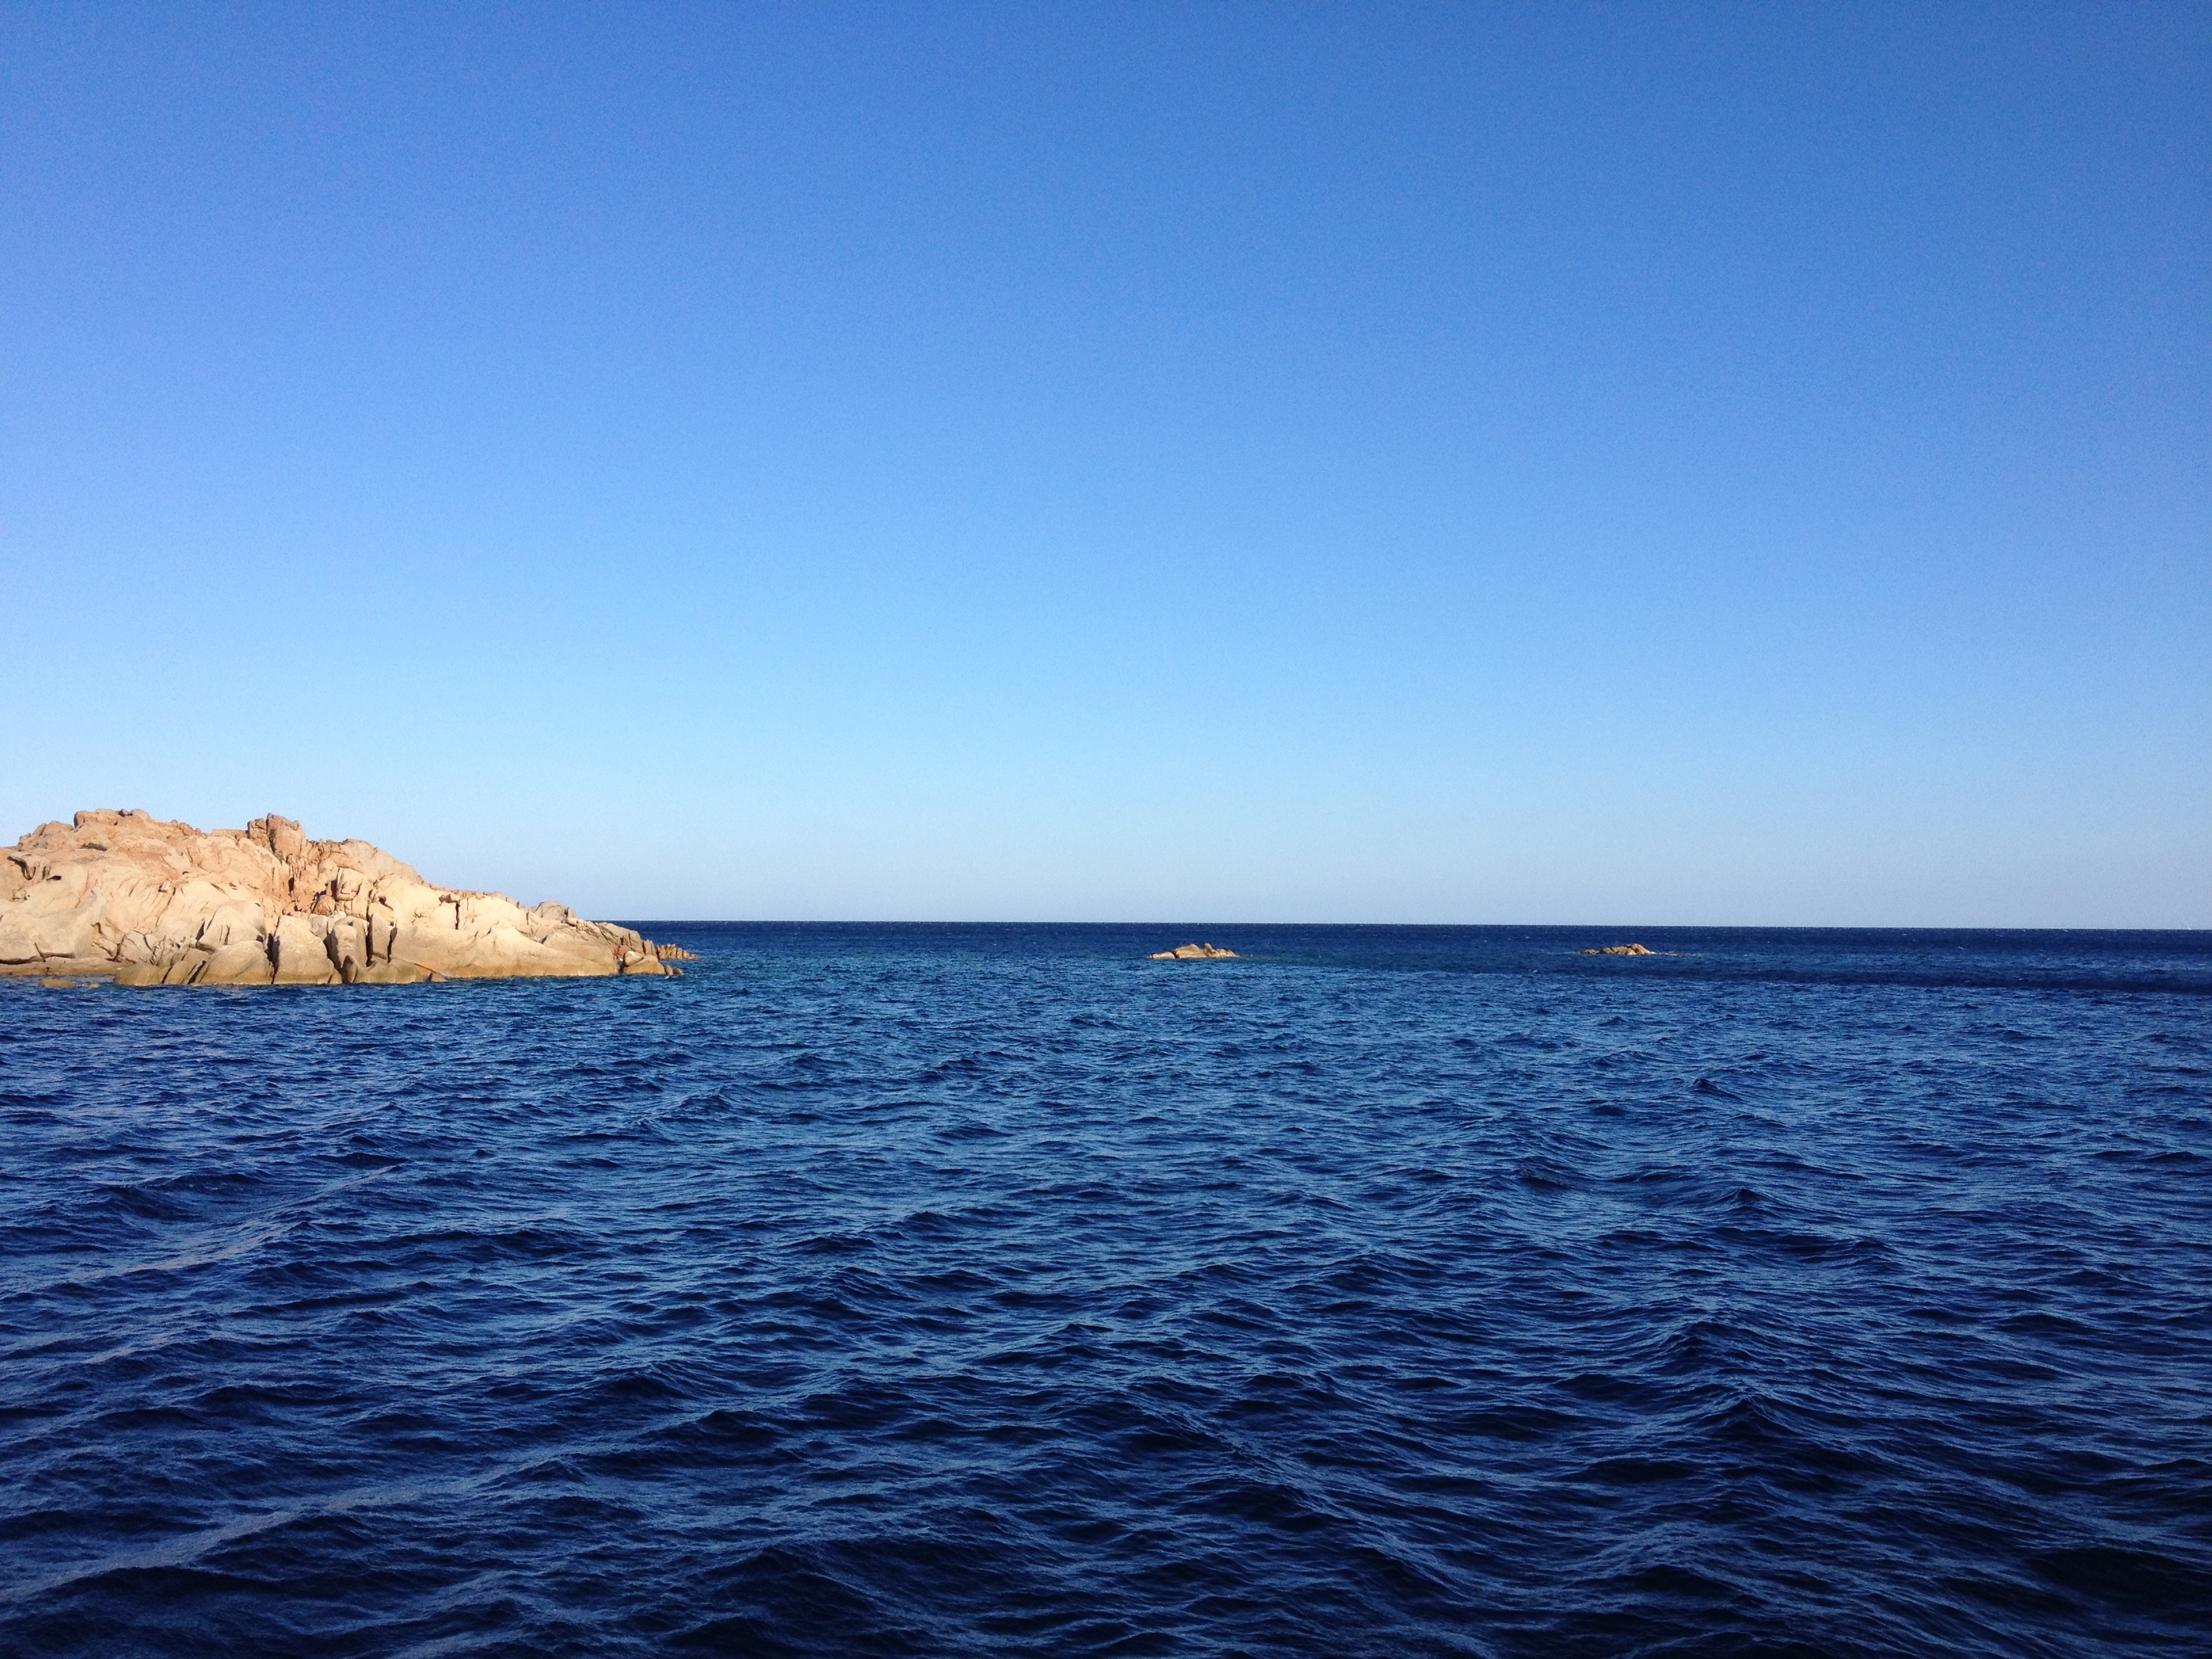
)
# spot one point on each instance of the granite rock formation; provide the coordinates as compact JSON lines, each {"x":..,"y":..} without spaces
{"x":148,"y":902}
{"x":1620,"y":950}
{"x":1193,"y":953}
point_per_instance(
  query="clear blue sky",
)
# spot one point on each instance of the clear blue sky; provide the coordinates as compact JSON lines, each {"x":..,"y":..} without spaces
{"x":1429,"y":463}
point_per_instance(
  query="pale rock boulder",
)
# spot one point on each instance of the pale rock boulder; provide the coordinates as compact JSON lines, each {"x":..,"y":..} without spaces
{"x":298,"y":955}
{"x":157,"y":903}
{"x":244,"y":964}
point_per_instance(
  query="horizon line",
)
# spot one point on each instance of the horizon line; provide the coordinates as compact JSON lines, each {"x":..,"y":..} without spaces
{"x":1559,"y":927}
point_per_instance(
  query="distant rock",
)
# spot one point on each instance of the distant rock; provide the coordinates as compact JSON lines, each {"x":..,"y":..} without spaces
{"x":1193,"y":953}
{"x":149,"y":903}
{"x":1620,"y":950}
{"x":675,"y":953}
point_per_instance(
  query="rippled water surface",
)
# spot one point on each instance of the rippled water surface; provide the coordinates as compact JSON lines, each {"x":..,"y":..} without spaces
{"x":912,"y":1290}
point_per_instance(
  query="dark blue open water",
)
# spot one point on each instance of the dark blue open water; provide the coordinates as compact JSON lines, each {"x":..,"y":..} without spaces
{"x":911,"y":1290}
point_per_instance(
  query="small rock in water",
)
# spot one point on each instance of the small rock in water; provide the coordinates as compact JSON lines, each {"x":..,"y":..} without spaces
{"x":1620,"y":950}
{"x":1193,"y":953}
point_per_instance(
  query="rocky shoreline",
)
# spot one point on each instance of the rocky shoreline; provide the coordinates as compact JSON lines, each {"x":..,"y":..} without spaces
{"x":127,"y":897}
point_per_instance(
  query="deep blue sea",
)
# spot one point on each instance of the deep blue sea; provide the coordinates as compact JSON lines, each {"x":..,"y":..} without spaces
{"x":910,"y":1290}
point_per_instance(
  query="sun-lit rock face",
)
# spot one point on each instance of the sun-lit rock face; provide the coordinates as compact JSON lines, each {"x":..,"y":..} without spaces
{"x":157,"y":903}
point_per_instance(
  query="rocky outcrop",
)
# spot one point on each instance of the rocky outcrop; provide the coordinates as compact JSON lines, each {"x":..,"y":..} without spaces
{"x":1193,"y":953}
{"x":1620,"y":950}
{"x":148,"y":902}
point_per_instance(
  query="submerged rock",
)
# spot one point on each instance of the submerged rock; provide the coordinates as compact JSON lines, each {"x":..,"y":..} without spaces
{"x":1620,"y":950}
{"x":1193,"y":953}
{"x":151,"y":902}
